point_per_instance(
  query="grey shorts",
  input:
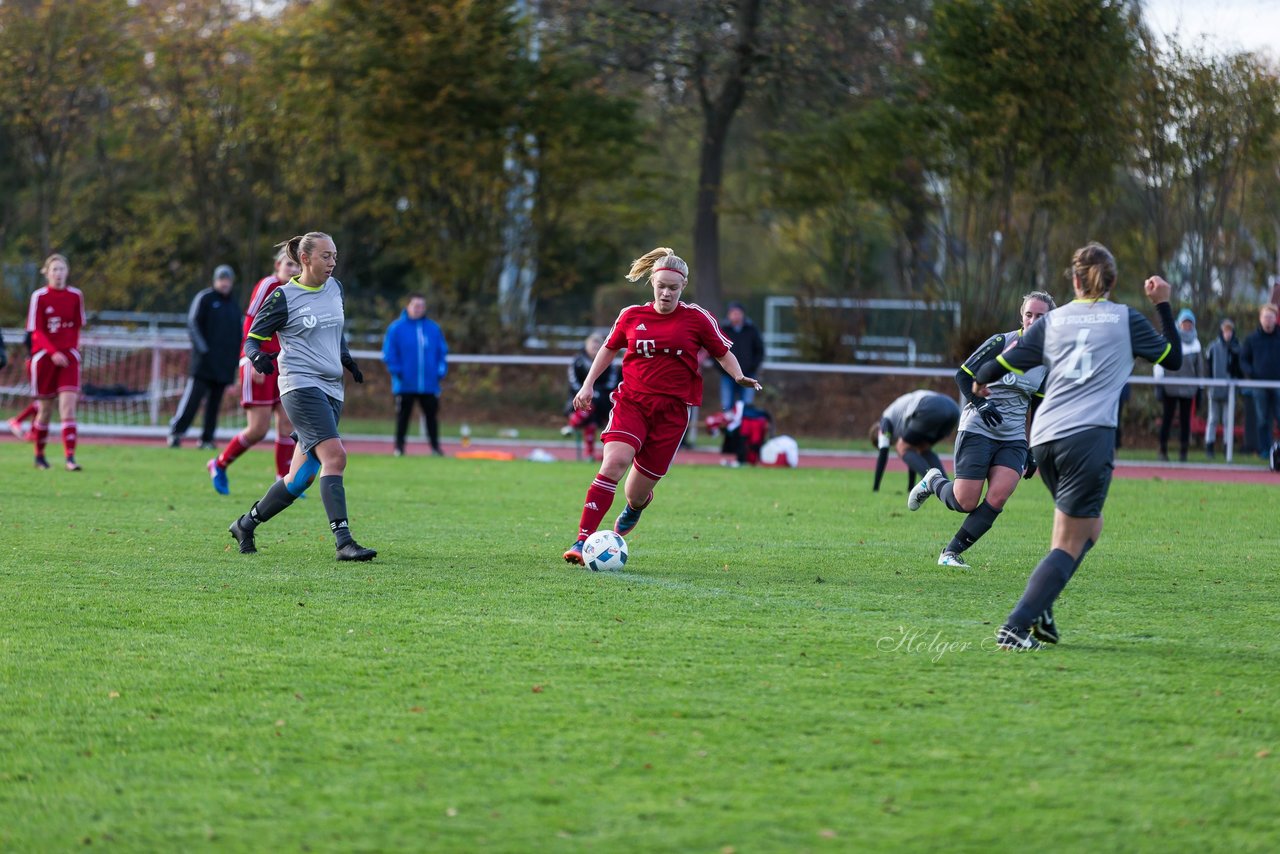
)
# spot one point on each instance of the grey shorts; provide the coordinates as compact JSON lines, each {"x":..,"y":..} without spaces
{"x":976,"y":454}
{"x":314,"y":414}
{"x":933,"y":421}
{"x":1077,"y":469}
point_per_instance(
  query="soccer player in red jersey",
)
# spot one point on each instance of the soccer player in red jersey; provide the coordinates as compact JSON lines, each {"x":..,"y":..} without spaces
{"x":54,"y":319}
{"x":259,"y":393}
{"x":660,"y":382}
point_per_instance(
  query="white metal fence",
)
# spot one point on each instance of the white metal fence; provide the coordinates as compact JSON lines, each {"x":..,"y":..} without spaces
{"x":135,"y":378}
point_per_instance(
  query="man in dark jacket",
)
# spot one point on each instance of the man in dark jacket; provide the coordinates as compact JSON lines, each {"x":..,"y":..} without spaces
{"x":1222,"y":362}
{"x":748,"y":346}
{"x":214,"y":324}
{"x":1260,"y":360}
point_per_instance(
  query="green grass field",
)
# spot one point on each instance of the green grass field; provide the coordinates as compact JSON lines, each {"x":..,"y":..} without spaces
{"x":782,"y":668}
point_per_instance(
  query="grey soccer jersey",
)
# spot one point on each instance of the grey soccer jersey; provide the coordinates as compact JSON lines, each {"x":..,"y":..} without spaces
{"x":1089,"y":347}
{"x":902,"y":409}
{"x":1012,"y":394}
{"x":309,"y":322}
{"x":920,"y":417}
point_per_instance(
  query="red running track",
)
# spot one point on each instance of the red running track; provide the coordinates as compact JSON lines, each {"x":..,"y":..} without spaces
{"x":858,"y":461}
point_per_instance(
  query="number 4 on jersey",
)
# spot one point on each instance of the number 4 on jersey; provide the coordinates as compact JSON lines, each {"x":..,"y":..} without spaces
{"x":1080,"y":360}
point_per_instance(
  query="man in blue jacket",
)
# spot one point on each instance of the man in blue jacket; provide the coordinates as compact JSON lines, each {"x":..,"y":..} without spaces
{"x":417,"y":358}
{"x":1260,"y":360}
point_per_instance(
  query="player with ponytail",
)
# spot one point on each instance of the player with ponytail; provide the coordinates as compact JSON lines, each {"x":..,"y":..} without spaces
{"x":307,"y":314}
{"x":660,"y":382}
{"x":1088,"y":347}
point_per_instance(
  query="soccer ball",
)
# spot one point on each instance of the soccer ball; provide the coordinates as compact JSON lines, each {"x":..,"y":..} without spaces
{"x":604,"y":551}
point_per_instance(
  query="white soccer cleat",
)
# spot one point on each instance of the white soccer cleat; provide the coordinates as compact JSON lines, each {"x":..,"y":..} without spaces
{"x":922,"y":490}
{"x":952,"y":559}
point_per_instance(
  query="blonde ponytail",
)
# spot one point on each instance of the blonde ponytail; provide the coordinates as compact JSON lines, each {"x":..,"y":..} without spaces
{"x":294,"y":247}
{"x":662,"y":258}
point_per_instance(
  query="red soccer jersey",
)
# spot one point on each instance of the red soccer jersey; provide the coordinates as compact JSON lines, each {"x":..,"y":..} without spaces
{"x":54,"y":319}
{"x":261,"y":291}
{"x":662,"y":349}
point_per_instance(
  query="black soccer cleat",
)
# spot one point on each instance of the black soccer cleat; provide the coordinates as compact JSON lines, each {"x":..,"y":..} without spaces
{"x":243,"y":537}
{"x":1044,"y":628}
{"x":1008,"y":637}
{"x":355,"y":551}
{"x":41,"y":462}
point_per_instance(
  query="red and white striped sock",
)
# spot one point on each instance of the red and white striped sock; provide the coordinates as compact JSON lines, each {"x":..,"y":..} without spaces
{"x":69,"y":438}
{"x":232,"y":451}
{"x":284,"y":454}
{"x":599,"y":500}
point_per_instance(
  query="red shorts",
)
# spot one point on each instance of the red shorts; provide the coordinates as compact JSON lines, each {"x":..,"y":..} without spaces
{"x":653,"y":424}
{"x":265,"y":393}
{"x":48,"y":380}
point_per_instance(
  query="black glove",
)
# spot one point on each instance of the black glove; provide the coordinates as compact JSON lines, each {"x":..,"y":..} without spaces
{"x":350,"y":364}
{"x":4,"y":358}
{"x":1029,"y":470}
{"x":990,"y":414}
{"x":263,"y":363}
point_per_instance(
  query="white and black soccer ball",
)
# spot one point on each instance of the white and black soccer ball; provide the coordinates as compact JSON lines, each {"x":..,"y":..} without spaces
{"x":604,"y":551}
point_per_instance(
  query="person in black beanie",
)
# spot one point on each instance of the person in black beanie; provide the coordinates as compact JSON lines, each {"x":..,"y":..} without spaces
{"x":214,"y":323}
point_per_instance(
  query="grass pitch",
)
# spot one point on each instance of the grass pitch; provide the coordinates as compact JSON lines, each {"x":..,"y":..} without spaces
{"x":783,"y":667}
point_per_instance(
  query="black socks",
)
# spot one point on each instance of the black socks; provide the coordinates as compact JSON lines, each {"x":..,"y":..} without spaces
{"x":334,"y":496}
{"x":974,"y":526}
{"x":916,"y":462}
{"x":1044,"y":585}
{"x":277,"y":498}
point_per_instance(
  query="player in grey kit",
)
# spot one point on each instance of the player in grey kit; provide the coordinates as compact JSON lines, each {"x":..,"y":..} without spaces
{"x":913,"y":424}
{"x":991,"y":446}
{"x":1089,"y":346}
{"x":307,"y":314}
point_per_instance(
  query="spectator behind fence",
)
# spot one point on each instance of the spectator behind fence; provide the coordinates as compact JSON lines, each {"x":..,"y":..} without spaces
{"x":748,"y":346}
{"x":1178,"y":395}
{"x":591,"y":420}
{"x":417,"y":358}
{"x":1260,"y":360}
{"x":214,"y":324}
{"x":1221,"y":362}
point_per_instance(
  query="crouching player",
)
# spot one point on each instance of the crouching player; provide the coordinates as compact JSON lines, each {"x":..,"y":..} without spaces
{"x":912,"y":425}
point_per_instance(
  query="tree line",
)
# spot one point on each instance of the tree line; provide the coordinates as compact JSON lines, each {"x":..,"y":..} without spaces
{"x":954,"y":149}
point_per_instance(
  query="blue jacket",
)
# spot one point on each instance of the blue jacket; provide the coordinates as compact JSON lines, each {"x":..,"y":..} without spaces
{"x":416,"y":355}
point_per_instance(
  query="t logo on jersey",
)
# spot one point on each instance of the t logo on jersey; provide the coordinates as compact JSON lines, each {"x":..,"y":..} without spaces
{"x":646,"y":347}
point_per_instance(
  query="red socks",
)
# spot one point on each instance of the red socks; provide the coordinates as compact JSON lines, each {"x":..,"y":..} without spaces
{"x":284,"y":454}
{"x":237,"y":446}
{"x":232,"y":451}
{"x":68,"y":437}
{"x":589,"y":439}
{"x":40,"y":433}
{"x":599,"y":500}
